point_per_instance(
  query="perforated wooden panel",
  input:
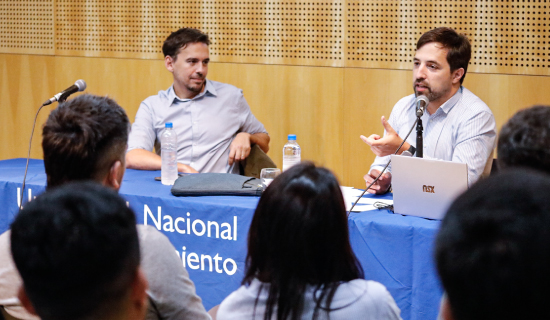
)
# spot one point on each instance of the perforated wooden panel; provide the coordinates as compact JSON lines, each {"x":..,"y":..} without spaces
{"x":507,"y":36}
{"x":294,"y":32}
{"x":307,"y":33}
{"x":26,"y":26}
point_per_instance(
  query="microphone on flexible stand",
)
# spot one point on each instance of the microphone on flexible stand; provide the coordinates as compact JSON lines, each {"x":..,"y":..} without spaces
{"x":421,"y":104}
{"x":79,"y":85}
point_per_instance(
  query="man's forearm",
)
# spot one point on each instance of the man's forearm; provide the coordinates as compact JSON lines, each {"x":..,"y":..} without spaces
{"x":261,"y":139}
{"x":141,"y":159}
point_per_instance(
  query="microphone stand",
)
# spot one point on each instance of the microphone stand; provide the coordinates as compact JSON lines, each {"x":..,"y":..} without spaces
{"x":419,"y":139}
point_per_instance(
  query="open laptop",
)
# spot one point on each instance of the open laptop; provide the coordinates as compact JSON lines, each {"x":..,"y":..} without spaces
{"x":425,"y":187}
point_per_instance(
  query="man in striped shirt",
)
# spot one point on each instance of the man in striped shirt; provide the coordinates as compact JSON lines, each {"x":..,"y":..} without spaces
{"x":458,"y":126}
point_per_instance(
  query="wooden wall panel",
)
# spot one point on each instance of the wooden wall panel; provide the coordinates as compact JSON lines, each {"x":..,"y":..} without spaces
{"x":250,"y":31}
{"x":369,"y":94}
{"x":26,"y":81}
{"x":506,"y":36}
{"x":506,"y":94}
{"x":306,"y":101}
{"x":27,"y":26}
{"x":128,"y":81}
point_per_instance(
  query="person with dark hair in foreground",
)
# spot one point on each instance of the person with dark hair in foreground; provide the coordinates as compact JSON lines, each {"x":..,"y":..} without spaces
{"x":458,"y":126}
{"x":524,"y":140}
{"x":493,"y":249}
{"x":77,"y":251}
{"x":85,"y":139}
{"x":300,"y":264}
{"x":213,"y":122}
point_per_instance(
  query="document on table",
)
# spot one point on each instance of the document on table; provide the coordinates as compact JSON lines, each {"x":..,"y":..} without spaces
{"x":364,"y":204}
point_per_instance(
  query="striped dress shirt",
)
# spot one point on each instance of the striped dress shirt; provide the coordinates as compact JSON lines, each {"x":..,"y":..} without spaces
{"x":463,"y":130}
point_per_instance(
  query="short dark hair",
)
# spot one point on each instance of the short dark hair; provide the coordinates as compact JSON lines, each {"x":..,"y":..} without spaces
{"x":177,"y":40}
{"x":299,"y":237}
{"x":524,"y":140}
{"x":82,"y":139}
{"x":458,"y":46}
{"x":493,"y":248}
{"x":76,"y":248}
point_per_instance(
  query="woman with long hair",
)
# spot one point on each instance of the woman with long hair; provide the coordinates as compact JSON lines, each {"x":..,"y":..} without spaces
{"x":300,"y":264}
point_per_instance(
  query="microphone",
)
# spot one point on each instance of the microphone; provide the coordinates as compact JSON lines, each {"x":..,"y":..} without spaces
{"x":421,"y":104}
{"x":79,"y":85}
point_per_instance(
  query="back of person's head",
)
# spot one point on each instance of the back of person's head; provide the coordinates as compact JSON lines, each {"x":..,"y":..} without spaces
{"x":299,"y":237}
{"x":493,"y":249}
{"x":76,"y":248}
{"x":83,"y":139}
{"x":524,"y":140}
{"x":458,"y":46}
{"x":178,"y":40}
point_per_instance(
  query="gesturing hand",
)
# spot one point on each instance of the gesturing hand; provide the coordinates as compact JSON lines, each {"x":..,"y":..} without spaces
{"x":383,"y":146}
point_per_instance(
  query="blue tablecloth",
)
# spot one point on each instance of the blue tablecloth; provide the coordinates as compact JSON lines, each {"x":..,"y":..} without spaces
{"x":209,"y":234}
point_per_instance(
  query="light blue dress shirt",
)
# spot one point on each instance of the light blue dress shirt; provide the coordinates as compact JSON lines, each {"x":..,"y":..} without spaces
{"x":463,"y":130}
{"x":205,"y":125}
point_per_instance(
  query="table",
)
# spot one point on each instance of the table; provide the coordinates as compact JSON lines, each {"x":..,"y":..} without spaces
{"x":397,"y":251}
{"x":209,"y":234}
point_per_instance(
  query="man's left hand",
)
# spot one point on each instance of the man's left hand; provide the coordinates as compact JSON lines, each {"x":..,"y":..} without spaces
{"x":239,"y":148}
{"x":383,"y":146}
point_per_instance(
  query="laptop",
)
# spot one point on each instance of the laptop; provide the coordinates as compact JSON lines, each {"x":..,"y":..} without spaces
{"x":426,"y":187}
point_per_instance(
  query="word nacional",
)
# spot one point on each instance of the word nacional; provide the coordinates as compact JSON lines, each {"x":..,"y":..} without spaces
{"x":186,"y":226}
{"x":196,"y":227}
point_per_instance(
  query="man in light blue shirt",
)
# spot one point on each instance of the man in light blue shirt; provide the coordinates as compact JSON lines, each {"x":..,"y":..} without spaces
{"x":458,"y":126}
{"x":214,"y":125}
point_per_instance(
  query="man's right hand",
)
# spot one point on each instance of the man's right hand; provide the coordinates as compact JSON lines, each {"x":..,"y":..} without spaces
{"x":381,"y":186}
{"x":185,"y":168}
{"x":388,"y":144}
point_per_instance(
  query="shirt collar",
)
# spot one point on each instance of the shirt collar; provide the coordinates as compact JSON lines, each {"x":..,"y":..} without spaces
{"x":209,"y":90}
{"x":449,"y":104}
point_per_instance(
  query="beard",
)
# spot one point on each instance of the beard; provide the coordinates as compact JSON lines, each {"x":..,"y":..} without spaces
{"x":431,"y":95}
{"x":195,"y":88}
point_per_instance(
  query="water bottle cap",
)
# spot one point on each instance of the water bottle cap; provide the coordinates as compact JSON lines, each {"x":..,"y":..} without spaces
{"x":168,"y":125}
{"x":291,"y":137}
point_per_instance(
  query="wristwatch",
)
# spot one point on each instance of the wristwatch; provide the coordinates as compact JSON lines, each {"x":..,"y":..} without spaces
{"x":410,"y":152}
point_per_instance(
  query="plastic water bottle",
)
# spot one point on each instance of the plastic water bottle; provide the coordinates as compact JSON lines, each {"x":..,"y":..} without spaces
{"x":168,"y":154}
{"x":291,"y":152}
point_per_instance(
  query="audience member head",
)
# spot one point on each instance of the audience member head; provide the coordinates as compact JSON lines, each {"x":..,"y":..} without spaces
{"x":299,"y":237}
{"x":85,"y":138}
{"x":76,"y":248}
{"x":178,"y":40}
{"x":524,"y":140}
{"x":458,"y":46}
{"x":493,"y":249}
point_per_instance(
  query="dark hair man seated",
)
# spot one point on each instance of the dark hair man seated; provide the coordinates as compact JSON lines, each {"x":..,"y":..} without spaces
{"x":213,"y":121}
{"x":85,"y":139}
{"x":524,"y":140}
{"x":77,"y":251}
{"x":493,"y":249}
